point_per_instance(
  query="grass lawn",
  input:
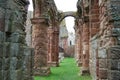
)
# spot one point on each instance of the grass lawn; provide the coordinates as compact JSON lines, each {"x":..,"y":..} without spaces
{"x":67,"y":71}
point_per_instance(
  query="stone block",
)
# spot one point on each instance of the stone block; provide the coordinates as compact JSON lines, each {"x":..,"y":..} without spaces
{"x":114,"y":64}
{"x":6,"y":75}
{"x":13,"y":63}
{"x":17,"y":38}
{"x":2,"y":20}
{"x":102,"y":53}
{"x":19,"y":64}
{"x":103,"y":63}
{"x":13,"y":75}
{"x":6,"y":49}
{"x":114,"y":75}
{"x":2,"y":36}
{"x":16,"y":75}
{"x":27,"y":63}
{"x":6,"y":63}
{"x":103,"y":74}
{"x":1,"y":50}
{"x":27,"y":51}
{"x":16,"y":26}
{"x":16,"y":50}
{"x":43,"y":71}
{"x":20,"y":75}
{"x":27,"y":57}
{"x":114,"y":52}
{"x":1,"y":63}
{"x":53,"y":64}
{"x":2,"y":10}
{"x":1,"y":74}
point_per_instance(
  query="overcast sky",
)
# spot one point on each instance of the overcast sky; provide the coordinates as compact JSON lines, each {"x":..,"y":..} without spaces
{"x":64,"y":5}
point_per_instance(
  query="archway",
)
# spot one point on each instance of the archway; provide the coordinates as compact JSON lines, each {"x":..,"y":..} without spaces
{"x":66,"y":37}
{"x":97,"y":24}
{"x":41,"y":16}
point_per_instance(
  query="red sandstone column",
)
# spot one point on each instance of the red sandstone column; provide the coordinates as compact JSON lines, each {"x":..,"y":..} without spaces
{"x":80,"y":42}
{"x":39,"y":42}
{"x":56,"y":47}
{"x":50,"y":45}
{"x":80,"y":50}
{"x":53,"y":48}
{"x":85,"y":51}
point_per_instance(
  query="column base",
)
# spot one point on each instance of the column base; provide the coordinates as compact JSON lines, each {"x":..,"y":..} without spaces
{"x":79,"y":64}
{"x":42,"y":71}
{"x":53,"y":64}
{"x":84,"y":71}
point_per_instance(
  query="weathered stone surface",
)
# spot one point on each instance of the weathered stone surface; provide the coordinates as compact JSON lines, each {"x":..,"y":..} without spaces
{"x":2,"y":36}
{"x":12,"y":40}
{"x":103,"y":74}
{"x":102,"y":53}
{"x":6,"y":63}
{"x":2,"y":18}
{"x":114,"y":64}
{"x":114,"y":75}
{"x":103,"y":63}
{"x":53,"y":47}
{"x":39,"y":42}
{"x":1,"y":64}
{"x":17,"y":38}
{"x":43,"y":71}
{"x":1,"y":50}
{"x":114,"y":52}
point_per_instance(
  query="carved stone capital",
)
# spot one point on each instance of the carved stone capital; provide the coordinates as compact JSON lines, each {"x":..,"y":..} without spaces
{"x":39,"y":21}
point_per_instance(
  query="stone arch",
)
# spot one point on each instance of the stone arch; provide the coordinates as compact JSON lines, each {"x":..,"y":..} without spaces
{"x":66,"y":14}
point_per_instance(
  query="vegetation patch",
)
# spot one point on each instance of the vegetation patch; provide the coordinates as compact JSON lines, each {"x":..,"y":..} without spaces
{"x":67,"y":71}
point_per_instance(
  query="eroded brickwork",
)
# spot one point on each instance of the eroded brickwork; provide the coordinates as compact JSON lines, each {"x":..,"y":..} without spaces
{"x":53,"y":47}
{"x":39,"y":42}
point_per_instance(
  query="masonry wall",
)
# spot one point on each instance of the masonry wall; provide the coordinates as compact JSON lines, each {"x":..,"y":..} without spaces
{"x":104,"y":50}
{"x":15,"y":57}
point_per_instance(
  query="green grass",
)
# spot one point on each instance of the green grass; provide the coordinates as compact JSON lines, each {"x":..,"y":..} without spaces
{"x":67,"y":71}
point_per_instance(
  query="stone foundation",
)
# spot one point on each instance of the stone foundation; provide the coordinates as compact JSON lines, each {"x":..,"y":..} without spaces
{"x":42,"y":71}
{"x":53,"y":64}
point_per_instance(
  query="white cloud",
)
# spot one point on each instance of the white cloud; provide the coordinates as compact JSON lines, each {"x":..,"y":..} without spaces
{"x":70,"y":24}
{"x":30,"y":6}
{"x":66,"y":5}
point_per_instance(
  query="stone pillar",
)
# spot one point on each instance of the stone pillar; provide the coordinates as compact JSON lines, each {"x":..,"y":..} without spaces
{"x":52,"y":54}
{"x":39,"y":42}
{"x":85,"y":47}
{"x":56,"y":46}
{"x":78,"y":50}
{"x":94,"y":27}
{"x":15,"y":57}
{"x":79,"y":33}
{"x":94,"y":17}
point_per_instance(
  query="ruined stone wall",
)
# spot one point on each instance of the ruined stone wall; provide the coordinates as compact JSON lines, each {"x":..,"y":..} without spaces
{"x":15,"y":56}
{"x":104,"y":52}
{"x":94,"y":39}
{"x":113,"y":52}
